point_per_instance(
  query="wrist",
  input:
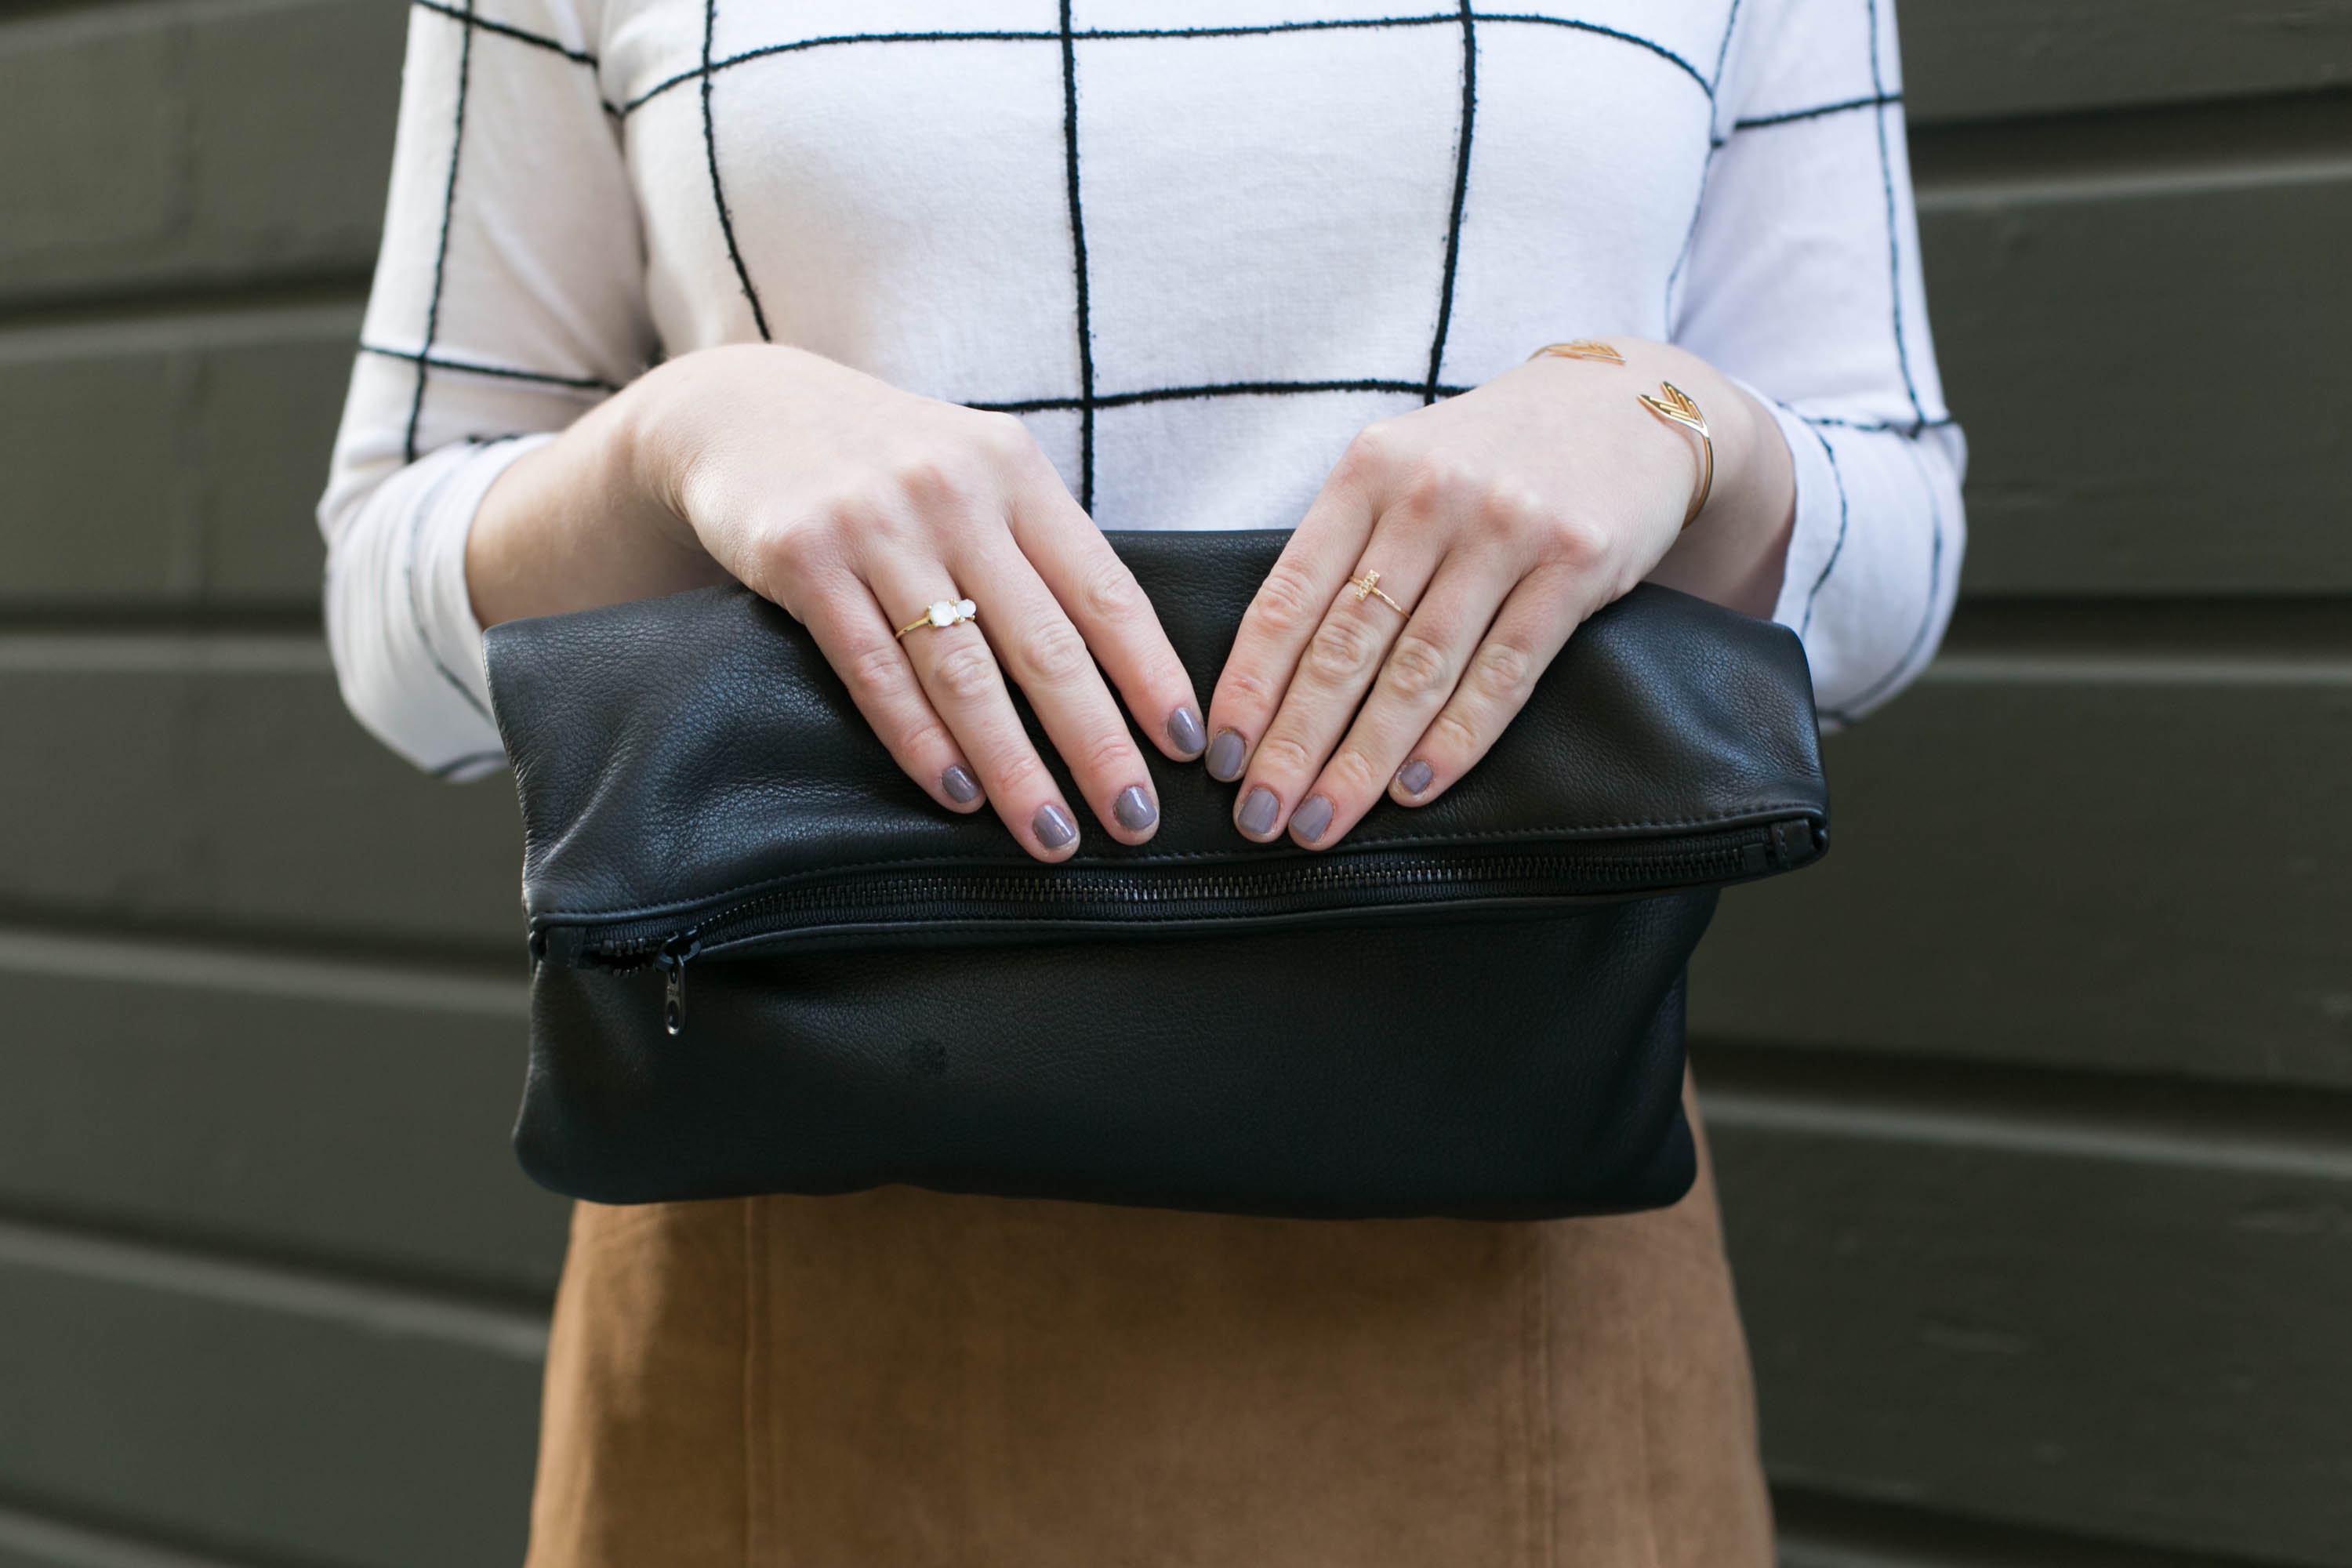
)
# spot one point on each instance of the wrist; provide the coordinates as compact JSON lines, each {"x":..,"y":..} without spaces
{"x":1734,"y":550}
{"x":592,"y":518}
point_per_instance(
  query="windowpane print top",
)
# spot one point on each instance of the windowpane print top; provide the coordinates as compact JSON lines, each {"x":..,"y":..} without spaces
{"x":1196,"y":246}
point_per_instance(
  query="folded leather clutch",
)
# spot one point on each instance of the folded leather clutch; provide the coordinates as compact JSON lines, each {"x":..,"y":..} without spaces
{"x":766,"y":962}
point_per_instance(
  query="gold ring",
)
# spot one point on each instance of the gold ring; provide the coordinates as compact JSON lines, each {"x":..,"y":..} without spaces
{"x":1583,"y":348}
{"x":1368,"y":587}
{"x":946,"y":612}
{"x":1676,"y":408}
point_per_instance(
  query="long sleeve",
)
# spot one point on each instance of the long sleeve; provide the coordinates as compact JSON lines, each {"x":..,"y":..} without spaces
{"x":1802,"y":279}
{"x":509,"y":297}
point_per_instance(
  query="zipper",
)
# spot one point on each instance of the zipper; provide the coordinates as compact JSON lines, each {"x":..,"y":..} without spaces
{"x":674,"y":956}
{"x":1113,"y":896}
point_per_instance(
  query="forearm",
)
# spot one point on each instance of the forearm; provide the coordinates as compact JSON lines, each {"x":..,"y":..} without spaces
{"x":587,"y":520}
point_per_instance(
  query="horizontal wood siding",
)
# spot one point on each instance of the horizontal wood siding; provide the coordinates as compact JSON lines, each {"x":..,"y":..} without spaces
{"x":214,"y":780}
{"x":346,"y":1114}
{"x":2103,"y":1311}
{"x":2132,"y":863}
{"x":261,"y":1411}
{"x":170,"y":460}
{"x":2032,"y":1104}
{"x":194,"y":143}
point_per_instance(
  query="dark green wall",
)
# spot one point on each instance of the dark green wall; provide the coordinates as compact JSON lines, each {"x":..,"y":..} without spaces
{"x":2033,"y":1103}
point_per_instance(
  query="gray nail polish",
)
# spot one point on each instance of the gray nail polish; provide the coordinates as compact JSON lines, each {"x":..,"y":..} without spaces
{"x":1184,"y":733}
{"x":1052,"y":826}
{"x":1134,"y":809}
{"x":1226,"y":756}
{"x":961,"y":787}
{"x":1416,"y":776}
{"x":1258,"y":812}
{"x":1309,"y":820}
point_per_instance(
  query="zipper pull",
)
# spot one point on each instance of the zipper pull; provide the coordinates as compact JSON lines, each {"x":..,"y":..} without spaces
{"x":674,"y":957}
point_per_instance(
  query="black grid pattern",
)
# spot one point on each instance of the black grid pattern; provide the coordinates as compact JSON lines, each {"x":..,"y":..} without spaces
{"x":441,"y":251}
{"x":1089,"y":399}
{"x":1894,"y":224}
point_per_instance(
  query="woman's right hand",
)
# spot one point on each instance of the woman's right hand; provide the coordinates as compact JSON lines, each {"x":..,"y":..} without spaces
{"x":855,"y":506}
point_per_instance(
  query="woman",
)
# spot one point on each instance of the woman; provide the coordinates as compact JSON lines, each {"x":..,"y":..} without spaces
{"x":930,"y":292}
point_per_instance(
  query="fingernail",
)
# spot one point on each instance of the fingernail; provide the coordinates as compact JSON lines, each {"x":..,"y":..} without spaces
{"x":1053,"y":827}
{"x":1134,"y":809}
{"x":1258,"y":812}
{"x":1226,"y":755}
{"x":961,"y":787}
{"x":1309,"y":820}
{"x":1416,"y":776}
{"x":1184,"y":733}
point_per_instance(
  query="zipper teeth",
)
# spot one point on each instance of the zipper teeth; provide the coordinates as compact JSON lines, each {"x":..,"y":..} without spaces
{"x":1080,"y":887}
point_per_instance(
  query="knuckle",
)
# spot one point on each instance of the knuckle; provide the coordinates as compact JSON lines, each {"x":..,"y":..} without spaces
{"x":1371,"y":449}
{"x":1502,"y":673}
{"x":1436,"y":485}
{"x":1246,"y":690}
{"x":1340,"y":649}
{"x":1579,"y":541}
{"x":1104,"y":755}
{"x":1456,"y":733}
{"x":1350,"y":776}
{"x":1110,"y":595}
{"x":874,"y":670}
{"x":1509,"y":511}
{"x":931,"y":480}
{"x":1056,"y":654}
{"x":967,"y":672}
{"x":1417,"y":670}
{"x":1284,"y":755}
{"x":1012,"y":767}
{"x":860,"y":506}
{"x":929,"y":738}
{"x":795,"y":552}
{"x":1002,"y":437}
{"x":1286,"y":600}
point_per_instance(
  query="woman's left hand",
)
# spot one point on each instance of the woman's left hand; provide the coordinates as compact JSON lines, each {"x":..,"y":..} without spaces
{"x":1498,"y":520}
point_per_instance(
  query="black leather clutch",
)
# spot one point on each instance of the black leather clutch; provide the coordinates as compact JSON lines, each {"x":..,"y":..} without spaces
{"x":764,"y":961}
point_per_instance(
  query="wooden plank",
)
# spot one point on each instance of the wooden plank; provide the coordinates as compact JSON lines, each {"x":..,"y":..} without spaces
{"x":1818,"y":1531}
{"x":1978,"y":58}
{"x":266,"y":1412}
{"x":39,"y":1541}
{"x":351,"y":1113}
{"x":2134,"y":864}
{"x":170,"y":462}
{"x":195,"y":140}
{"x":2123,"y":348}
{"x":2126,"y":1326}
{"x":218,"y":780}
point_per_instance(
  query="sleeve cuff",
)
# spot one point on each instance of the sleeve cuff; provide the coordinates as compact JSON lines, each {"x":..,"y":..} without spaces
{"x":443,"y":602}
{"x":1820,"y":522}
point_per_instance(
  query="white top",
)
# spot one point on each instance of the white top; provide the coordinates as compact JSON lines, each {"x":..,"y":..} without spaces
{"x":1196,"y":246}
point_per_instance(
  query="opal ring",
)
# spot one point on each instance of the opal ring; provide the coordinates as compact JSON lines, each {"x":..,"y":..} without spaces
{"x":1368,"y":587}
{"x":946,"y":612}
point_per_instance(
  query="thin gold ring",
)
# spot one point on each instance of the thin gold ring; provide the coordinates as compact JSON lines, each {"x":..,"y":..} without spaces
{"x":946,"y":612}
{"x":1368,"y":587}
{"x":1676,"y":408}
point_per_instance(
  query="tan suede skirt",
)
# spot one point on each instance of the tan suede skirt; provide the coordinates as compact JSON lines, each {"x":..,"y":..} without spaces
{"x":905,"y":1380}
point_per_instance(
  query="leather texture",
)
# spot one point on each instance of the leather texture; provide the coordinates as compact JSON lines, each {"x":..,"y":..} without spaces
{"x":1472,"y":1008}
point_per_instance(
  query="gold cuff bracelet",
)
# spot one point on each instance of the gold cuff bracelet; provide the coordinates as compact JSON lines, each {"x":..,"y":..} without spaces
{"x":1676,"y":408}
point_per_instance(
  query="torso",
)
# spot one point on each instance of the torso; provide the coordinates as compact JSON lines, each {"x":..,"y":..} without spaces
{"x":1271,"y":252}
